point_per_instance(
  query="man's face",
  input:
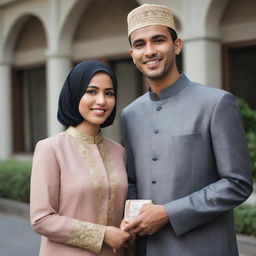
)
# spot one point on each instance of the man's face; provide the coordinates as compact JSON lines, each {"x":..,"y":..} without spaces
{"x":154,"y":52}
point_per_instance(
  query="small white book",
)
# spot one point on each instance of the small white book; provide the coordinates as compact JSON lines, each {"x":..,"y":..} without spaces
{"x":132,"y":208}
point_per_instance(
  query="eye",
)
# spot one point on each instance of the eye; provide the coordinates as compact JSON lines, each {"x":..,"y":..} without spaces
{"x":159,"y":40}
{"x":138,"y":45}
{"x":91,"y":91}
{"x":109,"y":93}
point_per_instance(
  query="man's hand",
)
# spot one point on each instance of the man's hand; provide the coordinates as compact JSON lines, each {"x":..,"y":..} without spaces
{"x":151,"y":218}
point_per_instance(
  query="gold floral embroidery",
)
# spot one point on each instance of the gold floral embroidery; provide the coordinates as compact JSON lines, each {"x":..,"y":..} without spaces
{"x":113,"y":178}
{"x":82,"y":136}
{"x":87,"y":235}
{"x":96,"y":181}
{"x":96,"y":174}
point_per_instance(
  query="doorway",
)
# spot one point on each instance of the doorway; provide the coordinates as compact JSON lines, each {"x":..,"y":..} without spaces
{"x":239,"y":70}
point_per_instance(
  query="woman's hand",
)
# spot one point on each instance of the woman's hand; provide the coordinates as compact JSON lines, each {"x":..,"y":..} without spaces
{"x":132,"y":238}
{"x":115,"y":237}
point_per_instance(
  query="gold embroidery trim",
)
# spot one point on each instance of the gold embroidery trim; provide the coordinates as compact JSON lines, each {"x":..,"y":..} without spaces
{"x":96,"y":177}
{"x":114,"y":181}
{"x":96,"y":181}
{"x":84,"y":137}
{"x":87,"y":235}
{"x":96,"y":174}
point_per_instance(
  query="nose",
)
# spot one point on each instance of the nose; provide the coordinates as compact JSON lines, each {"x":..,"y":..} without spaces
{"x":150,"y":50}
{"x":100,"y":99}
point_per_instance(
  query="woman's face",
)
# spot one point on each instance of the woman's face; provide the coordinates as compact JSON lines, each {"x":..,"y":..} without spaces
{"x":98,"y":100}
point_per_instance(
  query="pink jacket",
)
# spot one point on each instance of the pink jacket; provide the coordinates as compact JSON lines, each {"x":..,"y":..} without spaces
{"x":78,"y":186}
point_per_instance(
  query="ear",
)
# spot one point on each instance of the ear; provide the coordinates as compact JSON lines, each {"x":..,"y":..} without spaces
{"x":130,"y":51}
{"x":177,"y":46}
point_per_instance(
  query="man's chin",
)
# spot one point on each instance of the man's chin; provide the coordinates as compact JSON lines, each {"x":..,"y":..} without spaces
{"x":155,"y":76}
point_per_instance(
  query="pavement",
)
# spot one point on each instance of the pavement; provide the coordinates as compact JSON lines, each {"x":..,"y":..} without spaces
{"x":18,"y":239}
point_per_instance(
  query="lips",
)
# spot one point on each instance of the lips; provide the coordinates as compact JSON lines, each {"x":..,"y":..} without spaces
{"x":98,"y":111}
{"x":152,"y":63}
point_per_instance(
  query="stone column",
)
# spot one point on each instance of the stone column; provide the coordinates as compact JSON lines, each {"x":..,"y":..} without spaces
{"x":5,"y":111}
{"x":202,"y":60}
{"x":57,"y":69}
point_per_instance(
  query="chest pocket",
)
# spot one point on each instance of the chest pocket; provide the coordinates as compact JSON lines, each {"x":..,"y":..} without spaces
{"x":183,"y":152}
{"x":183,"y":146}
{"x":186,"y":139}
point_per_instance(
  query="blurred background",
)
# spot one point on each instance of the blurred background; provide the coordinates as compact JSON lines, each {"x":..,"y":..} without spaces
{"x":40,"y":41}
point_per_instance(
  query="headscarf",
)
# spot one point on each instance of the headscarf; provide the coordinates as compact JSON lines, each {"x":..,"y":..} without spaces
{"x":74,"y":88}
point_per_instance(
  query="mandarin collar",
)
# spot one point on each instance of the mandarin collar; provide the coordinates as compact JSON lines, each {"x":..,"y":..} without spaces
{"x":72,"y":131}
{"x":171,"y":90}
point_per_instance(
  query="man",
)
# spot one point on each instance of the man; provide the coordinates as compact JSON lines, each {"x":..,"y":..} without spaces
{"x":186,"y":150}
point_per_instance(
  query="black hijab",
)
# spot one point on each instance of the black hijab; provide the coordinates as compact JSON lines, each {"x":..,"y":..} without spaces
{"x":74,"y":88}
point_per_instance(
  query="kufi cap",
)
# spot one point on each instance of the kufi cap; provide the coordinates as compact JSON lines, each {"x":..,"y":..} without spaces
{"x":148,"y":15}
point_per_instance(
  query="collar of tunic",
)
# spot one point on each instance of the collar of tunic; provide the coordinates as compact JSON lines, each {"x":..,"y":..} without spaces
{"x":72,"y":131}
{"x":171,"y":90}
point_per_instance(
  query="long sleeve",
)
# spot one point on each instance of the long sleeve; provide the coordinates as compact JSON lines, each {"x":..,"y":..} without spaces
{"x":234,"y":184}
{"x":132,"y":191}
{"x":44,"y":205}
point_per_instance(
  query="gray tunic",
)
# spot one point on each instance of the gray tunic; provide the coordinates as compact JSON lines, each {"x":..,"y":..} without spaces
{"x":187,"y":151}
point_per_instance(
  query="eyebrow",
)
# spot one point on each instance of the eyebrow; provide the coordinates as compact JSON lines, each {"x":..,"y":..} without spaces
{"x":154,"y":37}
{"x":96,"y":87}
{"x":159,"y":35}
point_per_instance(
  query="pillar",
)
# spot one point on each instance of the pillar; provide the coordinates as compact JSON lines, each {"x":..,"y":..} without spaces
{"x":5,"y":111}
{"x":202,"y":60}
{"x":57,"y":69}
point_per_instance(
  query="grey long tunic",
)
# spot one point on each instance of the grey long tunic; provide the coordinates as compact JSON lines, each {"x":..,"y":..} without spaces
{"x":187,"y":150}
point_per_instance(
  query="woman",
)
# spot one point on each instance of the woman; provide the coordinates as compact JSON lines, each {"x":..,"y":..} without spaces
{"x":78,"y":182}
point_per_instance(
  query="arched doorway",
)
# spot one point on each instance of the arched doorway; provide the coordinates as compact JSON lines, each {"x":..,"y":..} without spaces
{"x":239,"y":49}
{"x":29,"y":86}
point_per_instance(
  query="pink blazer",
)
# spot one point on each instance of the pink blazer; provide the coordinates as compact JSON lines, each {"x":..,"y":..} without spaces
{"x":78,"y":186}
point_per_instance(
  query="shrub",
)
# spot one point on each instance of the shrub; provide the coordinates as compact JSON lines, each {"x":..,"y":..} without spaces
{"x":245,"y":219}
{"x":15,"y":180}
{"x":251,"y":138}
{"x":249,"y":116}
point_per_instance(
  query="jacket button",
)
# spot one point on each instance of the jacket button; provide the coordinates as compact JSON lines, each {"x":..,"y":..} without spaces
{"x":154,"y":158}
{"x":153,"y":181}
{"x":158,"y":108}
{"x":156,"y":131}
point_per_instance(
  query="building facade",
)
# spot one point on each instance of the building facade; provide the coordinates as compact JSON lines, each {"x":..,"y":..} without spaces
{"x":42,"y":39}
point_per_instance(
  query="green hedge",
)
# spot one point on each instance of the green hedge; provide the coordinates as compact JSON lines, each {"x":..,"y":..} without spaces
{"x":15,"y":180}
{"x":245,"y":219}
{"x":251,"y":138}
{"x":249,"y":116}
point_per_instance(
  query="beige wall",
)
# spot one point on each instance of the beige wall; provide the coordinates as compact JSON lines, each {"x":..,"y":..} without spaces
{"x":31,"y":44}
{"x":239,"y":21}
{"x":57,"y":33}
